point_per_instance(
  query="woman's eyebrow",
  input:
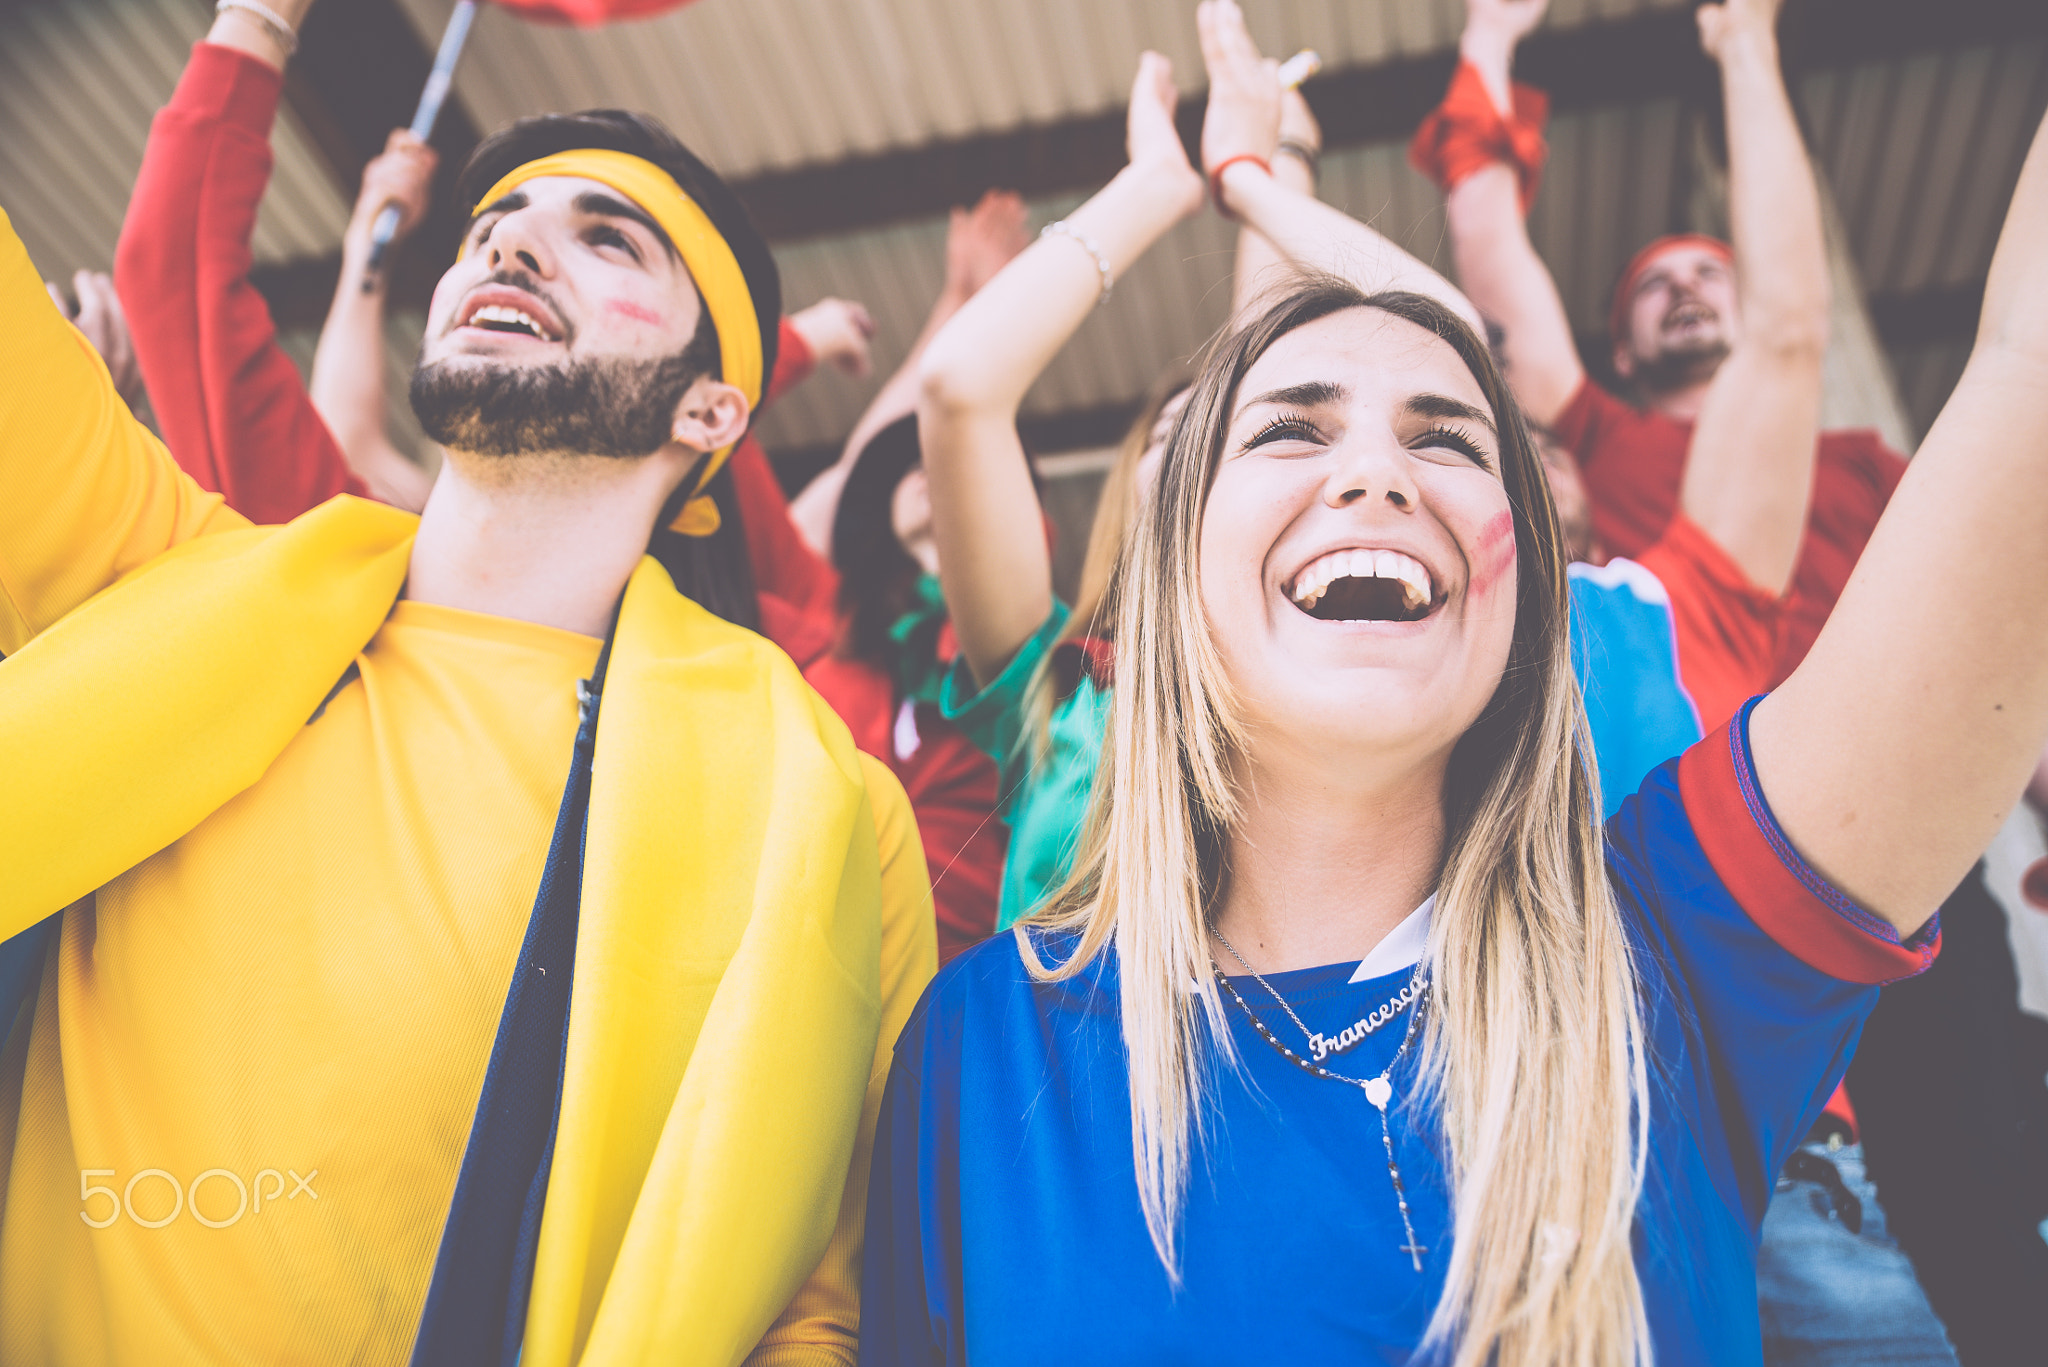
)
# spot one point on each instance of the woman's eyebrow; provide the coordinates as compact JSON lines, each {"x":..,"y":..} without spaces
{"x":1308,"y":395}
{"x":1443,"y":406}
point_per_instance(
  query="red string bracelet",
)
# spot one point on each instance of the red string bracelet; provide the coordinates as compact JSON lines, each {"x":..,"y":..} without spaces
{"x":1216,"y":177}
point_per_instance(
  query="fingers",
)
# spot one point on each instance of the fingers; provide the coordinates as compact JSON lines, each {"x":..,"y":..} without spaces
{"x":1154,"y":82}
{"x":92,"y":307}
{"x":57,"y":298}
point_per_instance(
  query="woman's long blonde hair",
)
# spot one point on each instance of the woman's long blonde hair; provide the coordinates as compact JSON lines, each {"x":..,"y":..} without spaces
{"x":1116,"y":514}
{"x":1533,"y":1048}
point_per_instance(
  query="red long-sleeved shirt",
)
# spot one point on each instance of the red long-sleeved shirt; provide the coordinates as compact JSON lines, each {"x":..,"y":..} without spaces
{"x":234,"y":412}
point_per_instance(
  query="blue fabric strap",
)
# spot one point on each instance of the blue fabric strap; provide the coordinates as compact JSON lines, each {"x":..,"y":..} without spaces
{"x":475,"y":1314}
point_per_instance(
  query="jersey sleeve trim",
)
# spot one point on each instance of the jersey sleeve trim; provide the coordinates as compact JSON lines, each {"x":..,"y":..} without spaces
{"x":1786,"y":897}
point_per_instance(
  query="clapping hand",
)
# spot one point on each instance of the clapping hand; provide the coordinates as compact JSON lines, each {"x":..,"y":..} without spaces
{"x":982,"y":240}
{"x":838,"y":332}
{"x":1243,"y":118}
{"x":1719,"y":23}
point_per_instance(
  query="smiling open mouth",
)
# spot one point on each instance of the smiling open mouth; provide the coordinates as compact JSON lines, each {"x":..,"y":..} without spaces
{"x":1363,"y":586}
{"x":500,"y":318}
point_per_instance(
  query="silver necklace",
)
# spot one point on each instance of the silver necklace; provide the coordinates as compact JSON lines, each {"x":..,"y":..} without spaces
{"x":1378,"y":1090}
{"x":1321,"y":1045}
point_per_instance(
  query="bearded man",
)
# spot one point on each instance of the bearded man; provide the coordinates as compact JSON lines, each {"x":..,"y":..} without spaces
{"x":447,"y":940}
{"x":1723,"y":356}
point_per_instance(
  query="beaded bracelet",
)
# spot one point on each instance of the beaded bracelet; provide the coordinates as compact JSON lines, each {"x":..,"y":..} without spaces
{"x":266,"y":16}
{"x":1061,"y":228}
{"x":1216,"y":177}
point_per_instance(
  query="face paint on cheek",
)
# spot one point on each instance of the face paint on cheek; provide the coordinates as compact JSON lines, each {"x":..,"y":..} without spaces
{"x":1496,"y":553}
{"x":636,"y":311}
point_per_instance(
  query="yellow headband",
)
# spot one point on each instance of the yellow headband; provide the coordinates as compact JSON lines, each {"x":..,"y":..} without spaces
{"x":708,"y":259}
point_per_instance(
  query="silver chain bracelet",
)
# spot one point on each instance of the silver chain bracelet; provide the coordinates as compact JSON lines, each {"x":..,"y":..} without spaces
{"x":1061,"y":228}
{"x":266,"y":16}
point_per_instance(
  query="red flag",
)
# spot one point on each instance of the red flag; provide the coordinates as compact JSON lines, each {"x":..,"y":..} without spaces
{"x":588,"y":13}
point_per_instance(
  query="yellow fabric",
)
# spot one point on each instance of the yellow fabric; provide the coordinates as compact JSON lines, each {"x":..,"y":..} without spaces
{"x":745,"y":960}
{"x":410,"y":824}
{"x":710,"y":262}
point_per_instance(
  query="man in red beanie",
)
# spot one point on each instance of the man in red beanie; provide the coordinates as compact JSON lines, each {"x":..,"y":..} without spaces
{"x":1722,"y":346}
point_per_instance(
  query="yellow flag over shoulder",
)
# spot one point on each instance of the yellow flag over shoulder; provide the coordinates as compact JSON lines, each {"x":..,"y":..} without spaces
{"x":726,"y":1000}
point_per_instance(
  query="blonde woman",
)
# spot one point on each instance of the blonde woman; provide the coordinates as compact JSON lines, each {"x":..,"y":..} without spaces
{"x":1032,"y":683}
{"x":1353,"y":1038}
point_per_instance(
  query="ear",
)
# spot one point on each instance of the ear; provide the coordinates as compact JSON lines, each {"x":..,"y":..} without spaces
{"x":712,"y":414}
{"x":1624,"y":361}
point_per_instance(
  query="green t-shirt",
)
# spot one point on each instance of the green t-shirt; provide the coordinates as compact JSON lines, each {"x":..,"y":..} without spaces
{"x":1043,"y":793}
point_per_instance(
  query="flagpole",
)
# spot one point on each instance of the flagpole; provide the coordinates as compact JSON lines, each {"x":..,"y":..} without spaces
{"x":431,"y":98}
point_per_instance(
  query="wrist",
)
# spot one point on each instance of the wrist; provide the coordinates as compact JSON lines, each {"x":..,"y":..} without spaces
{"x":1747,"y":46}
{"x":1491,"y":50}
{"x":1237,"y":179}
{"x":241,"y":31}
{"x":1168,"y":182}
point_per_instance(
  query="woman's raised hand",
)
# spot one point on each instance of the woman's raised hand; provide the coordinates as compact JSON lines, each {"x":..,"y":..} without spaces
{"x":1243,"y":119}
{"x":1150,"y":137}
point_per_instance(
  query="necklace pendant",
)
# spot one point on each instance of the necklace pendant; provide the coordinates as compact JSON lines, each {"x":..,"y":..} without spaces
{"x":1379,"y":1092}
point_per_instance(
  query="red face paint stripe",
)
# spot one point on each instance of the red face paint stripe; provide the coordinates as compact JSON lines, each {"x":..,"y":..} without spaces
{"x":1496,"y":552}
{"x":639,"y":313}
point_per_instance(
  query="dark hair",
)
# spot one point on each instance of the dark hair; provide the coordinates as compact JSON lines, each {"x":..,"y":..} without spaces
{"x":639,"y":135}
{"x":714,"y":571}
{"x":875,"y":573}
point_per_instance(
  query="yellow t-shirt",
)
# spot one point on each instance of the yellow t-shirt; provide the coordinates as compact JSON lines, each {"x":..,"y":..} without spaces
{"x":298,"y":998}
{"x":308,"y":983}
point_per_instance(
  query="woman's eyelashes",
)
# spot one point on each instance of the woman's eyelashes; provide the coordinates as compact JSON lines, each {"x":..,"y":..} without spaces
{"x":1286,"y":427}
{"x":1450,"y":438}
{"x":1299,"y":427}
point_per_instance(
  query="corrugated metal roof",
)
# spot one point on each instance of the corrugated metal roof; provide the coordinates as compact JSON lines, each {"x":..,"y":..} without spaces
{"x":761,"y":85}
{"x":79,"y":83}
{"x":1921,"y":153}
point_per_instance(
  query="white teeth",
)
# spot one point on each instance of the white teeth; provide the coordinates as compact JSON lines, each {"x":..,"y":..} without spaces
{"x":1316,"y":577}
{"x":499,"y":313}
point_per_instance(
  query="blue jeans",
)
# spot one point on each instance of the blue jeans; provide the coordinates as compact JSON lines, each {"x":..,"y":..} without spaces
{"x":1829,"y":1296}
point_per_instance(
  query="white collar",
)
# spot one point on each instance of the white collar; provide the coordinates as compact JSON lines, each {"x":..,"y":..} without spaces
{"x":1402,"y":947}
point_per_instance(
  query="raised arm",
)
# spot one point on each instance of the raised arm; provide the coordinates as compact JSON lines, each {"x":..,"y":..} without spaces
{"x":1749,"y":472}
{"x":993,"y":559}
{"x":1497,"y":264}
{"x":1239,"y":135}
{"x":230,"y":402}
{"x":86,"y":493}
{"x":348,"y":366}
{"x":1295,"y":164}
{"x":1893,"y":754}
{"x":979,"y":242}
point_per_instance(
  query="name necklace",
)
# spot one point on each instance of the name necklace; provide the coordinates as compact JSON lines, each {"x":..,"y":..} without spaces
{"x":1378,"y":1090}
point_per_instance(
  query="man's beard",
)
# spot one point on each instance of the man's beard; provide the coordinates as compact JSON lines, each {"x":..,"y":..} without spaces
{"x":1676,"y":367}
{"x":615,"y":407}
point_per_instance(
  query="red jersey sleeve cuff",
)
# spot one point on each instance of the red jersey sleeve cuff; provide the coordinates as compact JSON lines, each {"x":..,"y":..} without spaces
{"x":1809,"y":917}
{"x":793,"y":362}
{"x":229,"y":85}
